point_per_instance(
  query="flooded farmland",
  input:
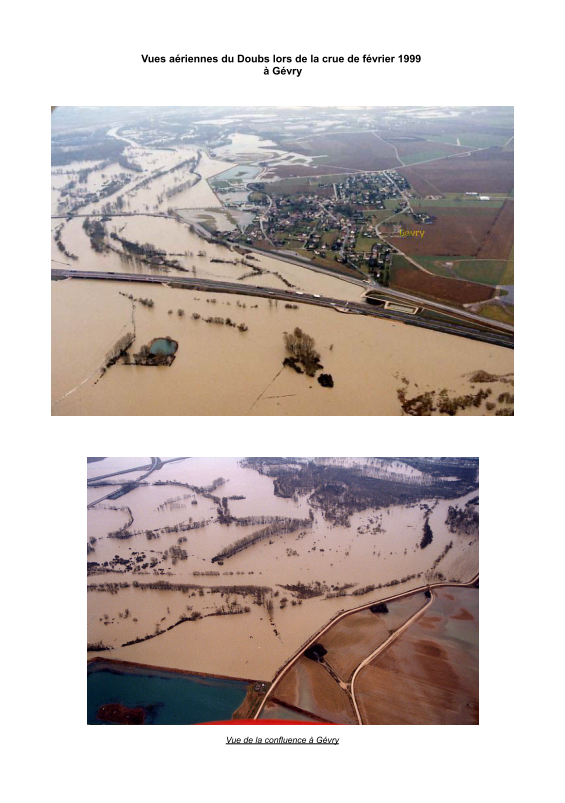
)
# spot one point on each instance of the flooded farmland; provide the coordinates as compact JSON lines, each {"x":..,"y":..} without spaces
{"x":168,"y":196}
{"x":373,"y":356}
{"x":159,"y":594}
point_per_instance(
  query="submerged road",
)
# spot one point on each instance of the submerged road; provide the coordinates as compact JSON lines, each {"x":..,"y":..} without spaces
{"x":283,"y":671}
{"x":351,"y":307}
{"x":303,"y":262}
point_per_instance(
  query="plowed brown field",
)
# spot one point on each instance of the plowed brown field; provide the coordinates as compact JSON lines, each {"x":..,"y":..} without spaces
{"x":310,"y":687}
{"x":456,"y":232}
{"x":485,"y":171}
{"x":430,"y":675}
{"x":355,"y":637}
{"x":414,"y":280}
{"x":423,"y":146}
{"x":363,"y":151}
{"x":500,"y":238}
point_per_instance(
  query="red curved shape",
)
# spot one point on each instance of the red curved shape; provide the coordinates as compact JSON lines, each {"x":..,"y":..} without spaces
{"x":263,"y":722}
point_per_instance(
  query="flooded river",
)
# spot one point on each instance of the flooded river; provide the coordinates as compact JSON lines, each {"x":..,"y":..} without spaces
{"x":368,"y":355}
{"x":378,"y":547}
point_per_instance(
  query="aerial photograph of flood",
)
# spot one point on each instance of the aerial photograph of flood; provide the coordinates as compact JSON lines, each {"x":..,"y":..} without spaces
{"x":366,"y":255}
{"x":340,"y":590}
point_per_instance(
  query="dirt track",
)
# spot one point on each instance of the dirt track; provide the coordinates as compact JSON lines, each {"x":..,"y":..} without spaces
{"x":500,"y":238}
{"x":285,"y":669}
{"x":382,"y":647}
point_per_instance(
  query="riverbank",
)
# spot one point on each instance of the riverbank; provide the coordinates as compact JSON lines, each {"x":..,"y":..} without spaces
{"x":99,"y":661}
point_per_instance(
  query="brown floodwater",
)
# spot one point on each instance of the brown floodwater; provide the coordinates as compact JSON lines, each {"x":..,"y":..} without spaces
{"x":366,"y":357}
{"x":187,"y":247}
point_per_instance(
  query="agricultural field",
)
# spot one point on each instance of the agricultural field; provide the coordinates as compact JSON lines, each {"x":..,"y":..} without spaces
{"x":488,"y":171}
{"x":355,"y":637}
{"x":484,"y":271}
{"x":410,"y":279}
{"x":420,"y":150}
{"x":449,"y":126}
{"x":311,"y":688}
{"x":455,"y":232}
{"x":497,"y":312}
{"x":293,"y":186}
{"x":359,"y":151}
{"x":282,"y":171}
{"x":375,"y":216}
{"x":457,"y":200}
{"x":430,"y":674}
{"x":473,"y":139}
{"x":500,"y":238}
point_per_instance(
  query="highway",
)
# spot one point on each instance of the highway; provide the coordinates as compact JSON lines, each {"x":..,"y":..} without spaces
{"x":115,"y":473}
{"x":371,"y":286}
{"x":155,"y":465}
{"x":497,"y":338}
{"x":361,"y":281}
{"x":151,"y":466}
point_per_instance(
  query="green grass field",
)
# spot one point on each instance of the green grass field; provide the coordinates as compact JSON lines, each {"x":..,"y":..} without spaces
{"x":456,"y":202}
{"x":400,"y":261}
{"x":482,"y":140}
{"x":429,"y":263}
{"x":365,"y":244}
{"x":495,"y":196}
{"x":377,"y":215}
{"x":508,"y":275}
{"x":494,"y":312}
{"x":425,"y":156}
{"x":470,"y":140}
{"x":485,"y":271}
{"x":294,"y":245}
{"x":329,"y":237}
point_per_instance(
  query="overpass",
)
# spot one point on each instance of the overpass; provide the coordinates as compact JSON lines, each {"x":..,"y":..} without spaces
{"x":303,"y":262}
{"x":155,"y":465}
{"x":483,"y":332}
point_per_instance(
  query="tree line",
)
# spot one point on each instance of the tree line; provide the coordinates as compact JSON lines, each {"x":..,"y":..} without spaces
{"x":277,"y":528}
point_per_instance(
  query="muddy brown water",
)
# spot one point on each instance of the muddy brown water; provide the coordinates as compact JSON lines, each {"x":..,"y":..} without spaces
{"x":366,"y":357}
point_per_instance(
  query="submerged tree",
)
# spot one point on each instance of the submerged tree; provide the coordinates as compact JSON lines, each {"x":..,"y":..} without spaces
{"x":428,"y":535}
{"x":301,"y":348}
